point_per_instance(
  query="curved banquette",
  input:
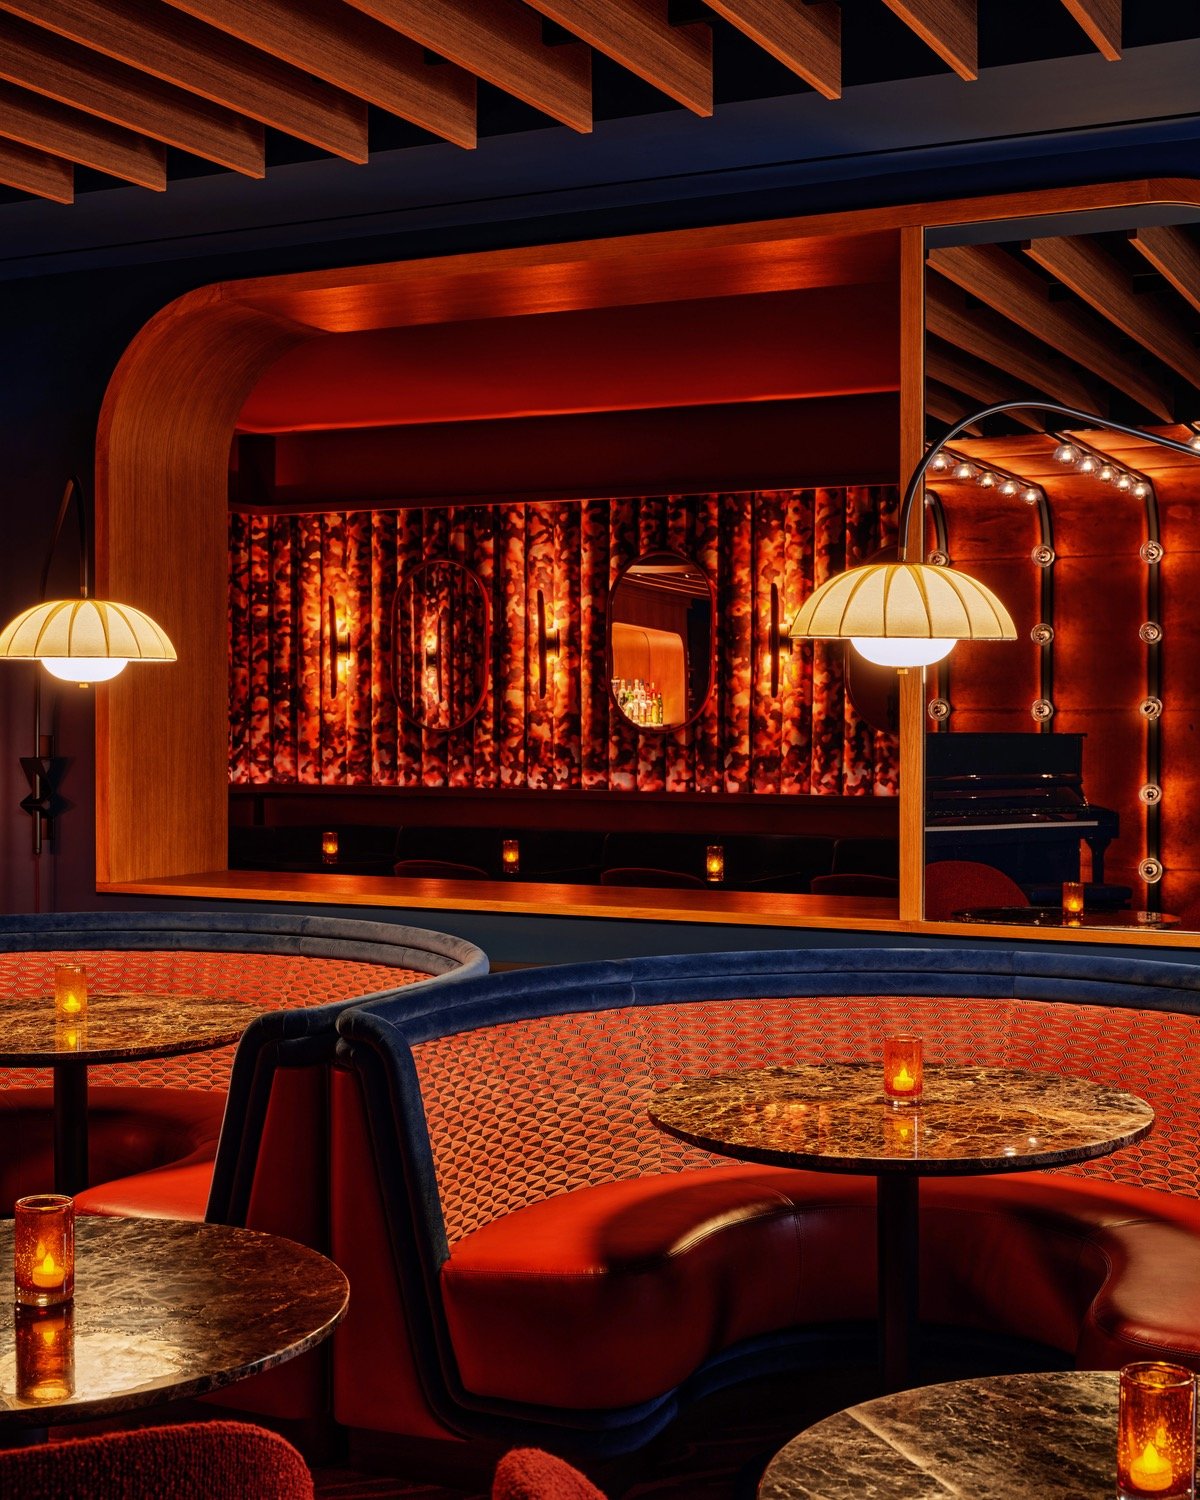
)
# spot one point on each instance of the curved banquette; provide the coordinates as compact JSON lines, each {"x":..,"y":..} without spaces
{"x":165,"y":1115}
{"x":531,"y":1259}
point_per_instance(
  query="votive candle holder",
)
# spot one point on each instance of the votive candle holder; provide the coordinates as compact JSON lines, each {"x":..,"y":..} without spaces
{"x":1072,"y":898}
{"x":714,"y":863}
{"x":70,"y":992}
{"x":903,"y":1073}
{"x":510,"y":856}
{"x":329,"y":847}
{"x":45,"y":1348}
{"x":1156,"y":1432}
{"x":44,"y":1249}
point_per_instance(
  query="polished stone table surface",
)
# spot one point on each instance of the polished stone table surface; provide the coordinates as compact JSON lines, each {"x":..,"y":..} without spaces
{"x":166,"y":1309}
{"x":1011,"y":1437}
{"x":118,"y":1027}
{"x":833,"y":1118}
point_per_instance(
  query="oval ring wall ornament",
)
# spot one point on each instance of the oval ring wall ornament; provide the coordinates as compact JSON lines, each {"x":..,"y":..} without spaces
{"x":661,"y":613}
{"x":441,"y":645}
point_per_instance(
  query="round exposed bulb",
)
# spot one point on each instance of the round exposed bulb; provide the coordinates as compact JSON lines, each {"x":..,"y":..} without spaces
{"x":1107,"y":473}
{"x":85,"y":669}
{"x":1124,"y":482}
{"x":1141,"y":490}
{"x":1031,"y":496}
{"x":1066,"y":453}
{"x":964,"y":470}
{"x":939,"y":463}
{"x":1194,"y":442}
{"x":987,"y":480}
{"x":1087,"y":464}
{"x":903,"y":651}
{"x":1010,"y":487}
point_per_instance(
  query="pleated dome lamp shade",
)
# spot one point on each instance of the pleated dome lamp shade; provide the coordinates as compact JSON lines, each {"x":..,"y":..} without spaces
{"x":84,"y":640}
{"x":903,"y":614}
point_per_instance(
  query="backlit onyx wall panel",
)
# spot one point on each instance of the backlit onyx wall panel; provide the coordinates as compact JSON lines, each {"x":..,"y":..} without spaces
{"x":286,"y":727}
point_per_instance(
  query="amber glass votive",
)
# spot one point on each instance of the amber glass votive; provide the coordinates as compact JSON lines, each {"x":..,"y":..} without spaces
{"x":329,"y":848}
{"x":1156,"y":1432}
{"x":44,"y":1249}
{"x":903,"y":1077}
{"x":714,"y":863}
{"x":45,"y":1344}
{"x":510,"y":856}
{"x":70,"y":992}
{"x":1072,"y":898}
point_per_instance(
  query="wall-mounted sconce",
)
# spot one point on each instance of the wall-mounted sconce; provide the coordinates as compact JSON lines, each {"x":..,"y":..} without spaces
{"x":339,"y":647}
{"x":778,"y":640}
{"x":547,"y":643}
{"x":714,"y":863}
{"x":510,"y":856}
{"x":329,"y":847}
{"x":435,"y":659}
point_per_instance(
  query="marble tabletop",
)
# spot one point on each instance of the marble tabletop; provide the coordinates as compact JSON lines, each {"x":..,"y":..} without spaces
{"x":1010,"y":1437}
{"x":165,"y":1309}
{"x":118,"y":1027}
{"x":833,"y":1117}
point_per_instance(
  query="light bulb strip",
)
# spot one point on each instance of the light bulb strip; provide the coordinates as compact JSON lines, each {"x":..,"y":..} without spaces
{"x":1152,"y":813}
{"x":1085,"y":458}
{"x":936,"y":512}
{"x":987,"y":475}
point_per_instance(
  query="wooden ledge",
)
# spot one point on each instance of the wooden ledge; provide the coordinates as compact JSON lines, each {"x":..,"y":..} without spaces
{"x":618,"y":903}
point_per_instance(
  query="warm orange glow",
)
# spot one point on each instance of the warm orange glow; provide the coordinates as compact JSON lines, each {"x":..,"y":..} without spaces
{"x":44,"y":1249}
{"x":70,"y":991}
{"x":903,"y":1073}
{"x":1156,"y":1431}
{"x":510,"y":856}
{"x":714,"y":863}
{"x":329,"y":847}
{"x":1072,"y":896}
{"x":46,"y":1272}
{"x":1150,"y":1471}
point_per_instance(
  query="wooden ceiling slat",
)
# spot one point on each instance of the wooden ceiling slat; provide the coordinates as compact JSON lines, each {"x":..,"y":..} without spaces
{"x":950,"y":27}
{"x":500,"y":41}
{"x":996,"y":342}
{"x":36,"y":172}
{"x":636,"y":33}
{"x":948,"y":406}
{"x":1174,"y":255}
{"x":807,"y":38}
{"x":60,"y":70}
{"x":1101,"y":20}
{"x":355,"y":53}
{"x":1101,"y":281}
{"x":179,"y":51}
{"x":46,"y":126}
{"x":1014,"y":291}
{"x":955,"y":369}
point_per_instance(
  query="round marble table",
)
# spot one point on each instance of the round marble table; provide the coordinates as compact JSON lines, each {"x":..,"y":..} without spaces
{"x":1011,"y":1437}
{"x":165,"y":1309}
{"x":834,"y":1118}
{"x":116,"y":1028}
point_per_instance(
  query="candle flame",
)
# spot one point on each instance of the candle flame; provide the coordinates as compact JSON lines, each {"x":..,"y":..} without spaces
{"x":903,"y":1080}
{"x":1152,"y":1471}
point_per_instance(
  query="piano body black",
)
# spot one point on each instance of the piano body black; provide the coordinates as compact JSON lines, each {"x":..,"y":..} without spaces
{"x":1015,"y":801}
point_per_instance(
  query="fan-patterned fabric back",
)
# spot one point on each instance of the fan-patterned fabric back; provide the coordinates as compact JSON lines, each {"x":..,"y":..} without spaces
{"x":525,"y":1110}
{"x":265,"y":981}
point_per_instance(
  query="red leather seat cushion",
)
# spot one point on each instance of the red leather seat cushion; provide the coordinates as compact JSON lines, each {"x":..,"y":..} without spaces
{"x":129,"y":1130}
{"x":175,"y":1192}
{"x":613,"y":1294}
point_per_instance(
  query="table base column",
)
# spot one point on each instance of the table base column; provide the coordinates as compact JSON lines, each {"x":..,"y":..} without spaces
{"x":70,"y":1128}
{"x":897,"y":1210}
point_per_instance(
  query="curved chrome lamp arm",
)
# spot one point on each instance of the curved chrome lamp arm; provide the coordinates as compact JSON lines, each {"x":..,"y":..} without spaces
{"x":1083,"y":418}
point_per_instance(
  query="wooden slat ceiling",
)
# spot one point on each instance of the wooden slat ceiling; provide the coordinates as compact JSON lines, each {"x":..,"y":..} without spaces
{"x":1109,"y":323}
{"x":110,"y":84}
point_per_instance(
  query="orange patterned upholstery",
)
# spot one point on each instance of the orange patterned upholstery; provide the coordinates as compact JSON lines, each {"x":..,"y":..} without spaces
{"x":525,"y":1110}
{"x":266,"y":981}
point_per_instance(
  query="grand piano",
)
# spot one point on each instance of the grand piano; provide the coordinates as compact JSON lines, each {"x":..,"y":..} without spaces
{"x":1015,"y":801}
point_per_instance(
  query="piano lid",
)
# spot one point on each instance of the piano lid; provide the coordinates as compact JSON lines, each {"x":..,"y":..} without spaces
{"x":954,"y":755}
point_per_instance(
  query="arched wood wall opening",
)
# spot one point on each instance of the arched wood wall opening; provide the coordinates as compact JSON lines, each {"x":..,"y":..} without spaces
{"x":169,"y":417}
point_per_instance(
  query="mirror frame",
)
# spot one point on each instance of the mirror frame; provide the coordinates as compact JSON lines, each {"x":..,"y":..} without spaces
{"x":407,"y":580}
{"x":711,"y":677}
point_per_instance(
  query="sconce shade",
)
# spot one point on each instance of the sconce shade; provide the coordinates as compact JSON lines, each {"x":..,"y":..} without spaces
{"x":84,"y":640}
{"x":914,"y":603}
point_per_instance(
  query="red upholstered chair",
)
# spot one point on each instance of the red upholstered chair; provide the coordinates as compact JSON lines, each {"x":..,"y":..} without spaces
{"x":635,"y":875}
{"x":530,"y":1474}
{"x":219,"y":1460}
{"x":956,"y":884}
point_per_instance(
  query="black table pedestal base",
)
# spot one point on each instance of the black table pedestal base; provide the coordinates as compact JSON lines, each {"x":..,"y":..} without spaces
{"x":70,"y":1127}
{"x":897,"y":1211}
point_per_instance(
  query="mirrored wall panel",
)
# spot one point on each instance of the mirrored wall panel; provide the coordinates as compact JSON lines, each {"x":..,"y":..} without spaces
{"x":660,"y":641}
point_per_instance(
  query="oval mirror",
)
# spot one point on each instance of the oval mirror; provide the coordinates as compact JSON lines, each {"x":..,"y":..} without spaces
{"x":660,"y":641}
{"x":440,"y":645}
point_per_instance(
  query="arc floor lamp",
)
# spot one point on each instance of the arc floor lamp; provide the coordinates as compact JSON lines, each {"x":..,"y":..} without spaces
{"x":911,"y":614}
{"x":81,"y":640}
